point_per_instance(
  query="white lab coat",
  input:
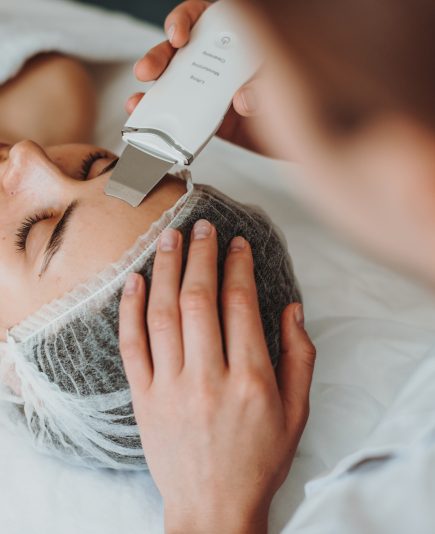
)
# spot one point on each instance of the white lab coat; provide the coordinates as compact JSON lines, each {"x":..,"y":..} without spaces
{"x":389,"y":484}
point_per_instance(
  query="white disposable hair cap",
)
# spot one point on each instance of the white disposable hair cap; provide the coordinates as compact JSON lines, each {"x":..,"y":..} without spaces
{"x":61,"y":366}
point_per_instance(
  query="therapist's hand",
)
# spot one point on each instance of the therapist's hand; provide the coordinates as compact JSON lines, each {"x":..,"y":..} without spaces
{"x":219,"y":431}
{"x":237,"y":126}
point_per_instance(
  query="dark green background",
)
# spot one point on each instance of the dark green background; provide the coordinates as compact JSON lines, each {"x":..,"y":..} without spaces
{"x":151,"y":10}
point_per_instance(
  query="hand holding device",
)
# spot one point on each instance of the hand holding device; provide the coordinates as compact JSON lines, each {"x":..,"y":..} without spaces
{"x":186,"y":105}
{"x":237,"y":124}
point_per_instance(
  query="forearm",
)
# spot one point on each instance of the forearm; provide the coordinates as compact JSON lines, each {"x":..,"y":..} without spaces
{"x":51,"y":101}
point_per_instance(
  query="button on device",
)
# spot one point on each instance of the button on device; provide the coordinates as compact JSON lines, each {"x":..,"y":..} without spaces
{"x":224,"y":40}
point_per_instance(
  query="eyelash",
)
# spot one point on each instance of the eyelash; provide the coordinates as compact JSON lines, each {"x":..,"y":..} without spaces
{"x":89,"y":160}
{"x":24,"y":230}
{"x":25,"y":227}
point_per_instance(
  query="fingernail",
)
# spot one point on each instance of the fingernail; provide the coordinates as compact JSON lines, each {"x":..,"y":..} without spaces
{"x":168,"y":240}
{"x":135,"y":65}
{"x":202,"y":229}
{"x":171,"y":32}
{"x":131,"y":284}
{"x":238,"y":243}
{"x":249,"y":100}
{"x":299,"y":316}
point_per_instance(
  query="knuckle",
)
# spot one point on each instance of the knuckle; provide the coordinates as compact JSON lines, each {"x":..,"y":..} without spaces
{"x":129,"y":347}
{"x":161,"y":319}
{"x":195,"y":299}
{"x":236,"y":296}
{"x":309,"y":354}
{"x":301,"y":414}
{"x":153,"y":58}
{"x":253,"y":387}
{"x":206,"y":393}
{"x":163,"y":266}
{"x":201,"y":248}
{"x":242,"y":260}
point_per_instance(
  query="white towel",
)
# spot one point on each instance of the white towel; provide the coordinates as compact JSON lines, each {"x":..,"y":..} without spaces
{"x":29,"y":27}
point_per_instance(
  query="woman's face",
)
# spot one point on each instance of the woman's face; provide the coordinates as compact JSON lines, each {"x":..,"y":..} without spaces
{"x":57,"y":227}
{"x":377,"y":184}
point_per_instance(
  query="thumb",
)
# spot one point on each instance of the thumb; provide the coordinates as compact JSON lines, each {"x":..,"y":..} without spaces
{"x":295,"y":370}
{"x":246,"y":101}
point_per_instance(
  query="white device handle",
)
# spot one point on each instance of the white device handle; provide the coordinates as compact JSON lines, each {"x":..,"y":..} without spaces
{"x":185,"y":106}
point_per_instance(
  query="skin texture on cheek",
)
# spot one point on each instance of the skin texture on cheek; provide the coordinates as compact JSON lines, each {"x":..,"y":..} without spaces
{"x":99,"y":232}
{"x":113,"y":224}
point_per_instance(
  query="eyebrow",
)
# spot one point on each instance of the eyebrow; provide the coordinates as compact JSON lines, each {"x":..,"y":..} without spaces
{"x":58,"y":236}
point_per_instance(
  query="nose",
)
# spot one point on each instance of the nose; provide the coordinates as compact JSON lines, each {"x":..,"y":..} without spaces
{"x":26,"y":167}
{"x":25,"y":152}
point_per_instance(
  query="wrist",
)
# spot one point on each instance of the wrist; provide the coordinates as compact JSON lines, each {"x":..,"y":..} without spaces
{"x":216,"y":520}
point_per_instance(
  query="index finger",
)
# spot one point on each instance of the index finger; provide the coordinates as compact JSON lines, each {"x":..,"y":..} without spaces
{"x":177,"y":25}
{"x":180,"y":21}
{"x":154,"y":63}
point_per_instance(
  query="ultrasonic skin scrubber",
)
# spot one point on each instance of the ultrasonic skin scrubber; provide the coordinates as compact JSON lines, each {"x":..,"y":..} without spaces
{"x":184,"y":108}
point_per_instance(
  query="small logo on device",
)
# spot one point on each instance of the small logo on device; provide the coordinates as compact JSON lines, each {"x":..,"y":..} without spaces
{"x":224,"y":40}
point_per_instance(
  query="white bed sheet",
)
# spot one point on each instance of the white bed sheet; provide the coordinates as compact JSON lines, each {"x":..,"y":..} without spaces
{"x":370,"y":325}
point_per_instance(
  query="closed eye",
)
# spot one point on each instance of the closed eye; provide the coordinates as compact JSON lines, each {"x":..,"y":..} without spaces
{"x":89,"y":160}
{"x":26,"y":226}
{"x":56,"y":238}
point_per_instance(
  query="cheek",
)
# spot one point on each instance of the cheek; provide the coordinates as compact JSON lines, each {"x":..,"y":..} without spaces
{"x":32,"y":178}
{"x":21,"y":296}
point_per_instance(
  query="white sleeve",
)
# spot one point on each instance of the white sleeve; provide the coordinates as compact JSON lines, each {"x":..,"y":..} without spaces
{"x":394,"y":495}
